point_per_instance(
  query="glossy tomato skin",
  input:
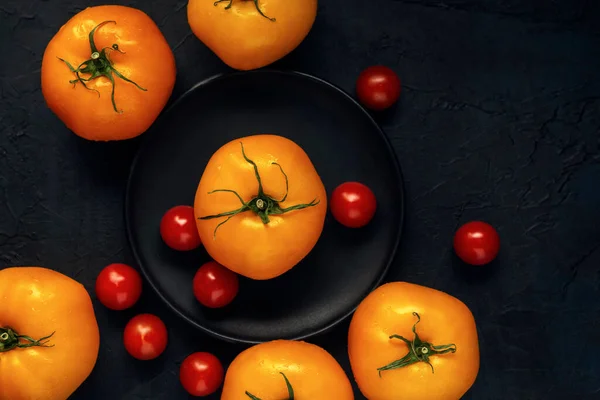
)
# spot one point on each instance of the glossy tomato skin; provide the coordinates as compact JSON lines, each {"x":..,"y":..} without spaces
{"x":147,"y":60}
{"x":218,"y":27}
{"x":201,"y":374}
{"x":378,"y":87}
{"x":313,"y":373}
{"x":445,"y":320}
{"x":353,"y":204}
{"x":245,"y":244}
{"x":476,"y":243}
{"x":178,"y":229}
{"x":36,"y":302}
{"x":214,"y":285}
{"x":145,"y":337}
{"x":118,"y":286}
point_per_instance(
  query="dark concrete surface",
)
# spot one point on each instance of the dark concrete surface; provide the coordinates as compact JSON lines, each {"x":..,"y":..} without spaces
{"x":499,"y":120}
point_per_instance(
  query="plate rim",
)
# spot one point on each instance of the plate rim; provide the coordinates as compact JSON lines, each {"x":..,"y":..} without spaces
{"x":294,"y":73}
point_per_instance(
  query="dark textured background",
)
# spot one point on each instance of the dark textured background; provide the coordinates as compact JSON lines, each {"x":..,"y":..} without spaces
{"x":499,"y":120}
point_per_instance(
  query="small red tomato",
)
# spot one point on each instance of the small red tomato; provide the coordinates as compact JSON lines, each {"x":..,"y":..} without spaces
{"x":214,"y":285}
{"x":353,"y":204}
{"x":118,"y":286}
{"x":201,"y":374}
{"x":178,"y":229}
{"x":145,"y":337}
{"x":378,"y":87}
{"x":476,"y":243}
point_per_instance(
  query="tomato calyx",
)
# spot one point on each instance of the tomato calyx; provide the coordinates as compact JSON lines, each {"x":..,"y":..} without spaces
{"x":99,"y":64}
{"x":287,"y":384}
{"x":260,"y":11}
{"x":419,"y":351}
{"x":262,"y":204}
{"x":9,"y":340}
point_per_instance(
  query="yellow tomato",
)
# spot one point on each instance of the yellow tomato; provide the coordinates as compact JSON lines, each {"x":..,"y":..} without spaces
{"x":412,"y":342}
{"x":49,"y":336}
{"x":260,"y":206}
{"x":251,"y":34}
{"x":268,"y":371}
{"x":108,"y":73}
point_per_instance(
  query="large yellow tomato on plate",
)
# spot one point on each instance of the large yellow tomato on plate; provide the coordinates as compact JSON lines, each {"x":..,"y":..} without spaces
{"x":49,"y":337}
{"x":260,"y":206}
{"x":408,"y":341}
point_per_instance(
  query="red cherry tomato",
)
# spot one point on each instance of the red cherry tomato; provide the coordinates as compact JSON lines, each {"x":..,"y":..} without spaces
{"x":214,"y":285}
{"x":118,"y":286}
{"x":378,"y":87}
{"x":145,"y":337}
{"x":178,"y":229}
{"x":201,"y":374}
{"x":476,"y":243}
{"x":353,"y":204}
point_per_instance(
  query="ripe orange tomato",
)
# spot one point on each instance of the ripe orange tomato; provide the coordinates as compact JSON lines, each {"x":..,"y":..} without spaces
{"x":108,"y":73}
{"x":413,"y":342}
{"x":49,"y":336}
{"x":251,"y":34}
{"x":273,"y":369}
{"x":260,"y":206}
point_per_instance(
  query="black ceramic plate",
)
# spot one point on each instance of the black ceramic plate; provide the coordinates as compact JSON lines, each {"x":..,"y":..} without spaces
{"x":344,"y":144}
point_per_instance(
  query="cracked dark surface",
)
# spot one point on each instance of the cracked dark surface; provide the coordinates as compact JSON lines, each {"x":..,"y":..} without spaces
{"x":499,"y":120}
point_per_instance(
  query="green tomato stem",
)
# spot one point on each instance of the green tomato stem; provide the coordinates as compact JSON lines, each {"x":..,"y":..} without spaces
{"x":230,"y":2}
{"x":419,"y":351}
{"x":10,"y":340}
{"x":287,"y":384}
{"x":99,"y":64}
{"x":262,"y":204}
